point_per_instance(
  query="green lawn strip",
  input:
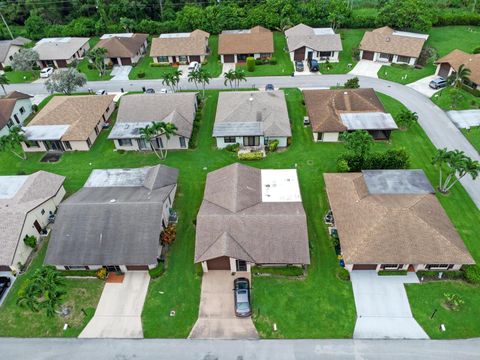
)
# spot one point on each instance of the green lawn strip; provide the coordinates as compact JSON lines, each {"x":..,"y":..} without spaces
{"x":284,"y":65}
{"x":20,"y":322}
{"x":473,"y":135}
{"x":17,"y":77}
{"x":427,"y":297}
{"x":350,"y":40}
{"x":213,"y":65}
{"x":405,"y":74}
{"x":151,"y":72}
{"x":278,"y":270}
{"x":447,"y":99}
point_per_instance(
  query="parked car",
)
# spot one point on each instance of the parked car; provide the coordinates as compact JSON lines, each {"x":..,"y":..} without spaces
{"x":150,"y":91}
{"x":101,"y":92}
{"x":299,"y":66}
{"x":194,"y":65}
{"x":269,"y":87}
{"x":163,"y":91}
{"x":4,"y":285}
{"x":241,"y":288}
{"x":46,"y":72}
{"x":438,"y":83}
{"x":313,"y":65}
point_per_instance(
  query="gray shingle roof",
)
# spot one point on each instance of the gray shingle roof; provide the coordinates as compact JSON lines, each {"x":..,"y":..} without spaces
{"x":110,"y":223}
{"x":59,"y":48}
{"x":237,"y":108}
{"x":233,"y":221}
{"x":6,"y":44}
{"x":303,"y":35}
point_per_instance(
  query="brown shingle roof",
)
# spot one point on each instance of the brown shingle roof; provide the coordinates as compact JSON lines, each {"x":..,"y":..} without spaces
{"x":233,"y":221}
{"x":324,"y":106}
{"x":7,"y":103}
{"x":399,"y":229}
{"x":258,"y":41}
{"x":383,"y":40}
{"x":122,"y":46}
{"x":195,"y":44}
{"x":81,"y":113}
{"x":459,"y":57}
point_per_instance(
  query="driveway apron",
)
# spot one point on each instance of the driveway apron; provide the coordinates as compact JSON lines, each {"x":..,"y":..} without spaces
{"x":119,"y":310}
{"x":422,"y":86}
{"x":216,"y":317}
{"x":367,"y":68}
{"x":120,"y":72}
{"x":383,"y":310}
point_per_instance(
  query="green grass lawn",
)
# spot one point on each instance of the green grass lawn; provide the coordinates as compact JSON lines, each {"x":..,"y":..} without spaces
{"x":17,"y":77}
{"x":445,"y":39}
{"x":151,"y":72}
{"x":284,"y":65}
{"x":473,"y":135}
{"x":20,"y":322}
{"x":213,"y":65}
{"x":453,"y":99}
{"x":92,"y":74}
{"x":350,"y":40}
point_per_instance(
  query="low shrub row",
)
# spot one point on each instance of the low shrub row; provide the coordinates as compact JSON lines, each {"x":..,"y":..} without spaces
{"x":392,"y":272}
{"x":469,"y":273}
{"x":154,"y":64}
{"x":283,"y":271}
{"x":254,"y":155}
{"x":157,"y":271}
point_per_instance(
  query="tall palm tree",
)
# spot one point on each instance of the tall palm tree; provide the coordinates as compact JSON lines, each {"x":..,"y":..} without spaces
{"x":167,"y":80}
{"x":229,"y":78}
{"x":97,"y":57}
{"x":13,"y":141}
{"x":440,"y":160}
{"x":148,"y":133}
{"x":204,"y":79}
{"x":176,"y":78}
{"x":468,"y":167}
{"x":239,"y":75}
{"x":167,"y":129}
{"x":459,"y":77}
{"x":4,"y":81}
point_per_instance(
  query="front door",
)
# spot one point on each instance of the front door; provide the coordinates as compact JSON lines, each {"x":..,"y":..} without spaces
{"x":54,"y":145}
{"x":251,"y":140}
{"x":310,"y":55}
{"x":241,"y":265}
{"x":228,"y":58}
{"x":38,"y":227}
{"x":174,"y":59}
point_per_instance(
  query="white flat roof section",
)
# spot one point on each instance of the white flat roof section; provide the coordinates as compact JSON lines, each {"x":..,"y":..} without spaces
{"x":54,"y":40}
{"x":174,"y":35}
{"x":464,"y":118}
{"x":397,"y":182}
{"x":117,"y":177}
{"x":238,"y":129}
{"x":323,"y":31}
{"x":368,"y":121}
{"x":410,"y":34}
{"x":9,"y":185}
{"x":45,"y":132}
{"x":108,"y":36}
{"x":127,"y":130}
{"x":280,"y":186}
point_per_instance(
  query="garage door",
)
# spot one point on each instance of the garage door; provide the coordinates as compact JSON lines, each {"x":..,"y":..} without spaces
{"x":365,"y":267}
{"x":444,"y":70}
{"x":62,"y":63}
{"x":126,"y":61}
{"x":195,"y":58}
{"x":221,"y":263}
{"x":228,"y":58}
{"x":137,"y":267}
{"x":4,"y":268}
{"x":367,"y":55}
{"x":299,"y":54}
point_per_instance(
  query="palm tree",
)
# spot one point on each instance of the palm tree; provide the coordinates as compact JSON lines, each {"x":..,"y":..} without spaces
{"x":12,"y":141}
{"x":439,"y":160}
{"x":167,"y":129}
{"x":194,"y":76}
{"x":459,"y":77}
{"x":406,"y":118}
{"x":229,"y":77}
{"x":468,"y":167}
{"x":176,"y":78}
{"x":172,"y":79}
{"x":4,"y":81}
{"x":148,"y":133}
{"x":239,"y":75}
{"x":167,"y":80}
{"x":97,"y":57}
{"x":204,"y":79}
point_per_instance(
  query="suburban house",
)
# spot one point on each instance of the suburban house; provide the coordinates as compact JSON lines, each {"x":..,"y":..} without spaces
{"x":450,"y":63}
{"x":59,"y":52}
{"x":406,"y":227}
{"x":180,"y":48}
{"x":15,"y":108}
{"x":115,"y":220}
{"x":236,"y":45}
{"x":123,"y":49}
{"x":139,"y":110}
{"x":307,"y":43}
{"x":331,"y":112}
{"x":68,"y":123}
{"x":26,"y":203}
{"x":251,"y":119}
{"x":391,"y":46}
{"x":8,"y":48}
{"x":251,"y":217}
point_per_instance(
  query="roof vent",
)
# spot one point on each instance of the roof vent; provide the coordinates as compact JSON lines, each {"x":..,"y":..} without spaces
{"x":345,"y":93}
{"x":387,"y":39}
{"x":250,"y":98}
{"x":113,"y":201}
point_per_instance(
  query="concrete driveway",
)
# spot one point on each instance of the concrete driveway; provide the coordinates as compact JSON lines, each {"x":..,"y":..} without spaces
{"x":422,"y":86}
{"x":367,"y":68}
{"x":216,"y":317}
{"x":383,"y":310}
{"x":184,"y":70}
{"x":119,"y":310}
{"x":227,"y":67}
{"x":120,"y":72}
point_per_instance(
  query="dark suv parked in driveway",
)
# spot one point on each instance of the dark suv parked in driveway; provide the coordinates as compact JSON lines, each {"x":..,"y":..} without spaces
{"x":313,"y":65}
{"x":4,"y":285}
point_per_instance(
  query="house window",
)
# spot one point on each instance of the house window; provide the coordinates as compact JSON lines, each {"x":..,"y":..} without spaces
{"x":251,"y":140}
{"x":241,"y":265}
{"x":96,"y":130}
{"x":384,"y":56}
{"x":229,"y":139}
{"x":76,"y":267}
{"x":182,"y":142}
{"x":124,"y":142}
{"x":162,"y":59}
{"x":439,"y":266}
{"x":89,"y":143}
{"x":403,"y":59}
{"x":157,"y":143}
{"x":16,"y":118}
{"x":42,"y":212}
{"x":22,"y":110}
{"x":32,"y":144}
{"x":182,"y":58}
{"x":10,"y":123}
{"x":265,"y":140}
{"x":324,"y":54}
{"x":67,"y":145}
{"x":391,"y":266}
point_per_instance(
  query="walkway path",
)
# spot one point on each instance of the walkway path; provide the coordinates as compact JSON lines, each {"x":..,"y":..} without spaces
{"x":383,"y":310}
{"x":434,"y":121}
{"x":119,"y":310}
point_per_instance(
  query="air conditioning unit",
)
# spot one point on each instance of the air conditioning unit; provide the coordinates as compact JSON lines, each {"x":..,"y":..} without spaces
{"x":306,"y":120}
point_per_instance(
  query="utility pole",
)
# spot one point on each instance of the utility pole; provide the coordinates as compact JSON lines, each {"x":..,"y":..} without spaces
{"x":6,"y":25}
{"x":160,"y":2}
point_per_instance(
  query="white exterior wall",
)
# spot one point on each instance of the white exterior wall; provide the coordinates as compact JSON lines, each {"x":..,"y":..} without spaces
{"x":12,"y":51}
{"x":256,"y":56}
{"x":221,"y":144}
{"x":170,"y":59}
{"x":416,"y":267}
{"x":328,"y":137}
{"x":27,"y":105}
{"x":23,"y":251}
{"x":333,"y":58}
{"x":376,"y":57}
{"x":173,"y":144}
{"x":282,"y":141}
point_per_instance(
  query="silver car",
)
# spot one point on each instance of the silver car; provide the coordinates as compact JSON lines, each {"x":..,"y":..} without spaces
{"x":242,"y":297}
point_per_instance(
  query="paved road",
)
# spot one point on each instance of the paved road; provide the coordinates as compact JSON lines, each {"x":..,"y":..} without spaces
{"x":383,"y":310}
{"x":435,"y":122}
{"x":81,"y":349}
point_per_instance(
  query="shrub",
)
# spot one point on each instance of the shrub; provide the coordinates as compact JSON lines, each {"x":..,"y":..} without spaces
{"x":472,"y":273}
{"x":353,"y":161}
{"x":250,"y":64}
{"x":343,"y":274}
{"x":258,"y":61}
{"x":34,"y":107}
{"x":90,"y":66}
{"x":169,"y":234}
{"x":273,"y":145}
{"x":157,"y":271}
{"x":232,"y":147}
{"x":159,"y":64}
{"x":475,"y":51}
{"x":273,"y":61}
{"x":342,"y":166}
{"x":120,"y":151}
{"x":254,"y":155}
{"x":7,"y":68}
{"x":30,"y":241}
{"x":453,"y":301}
{"x":352,"y":83}
{"x":280,"y":270}
{"x":390,"y":159}
{"x":101,"y":274}
{"x":392,"y":272}
{"x":141,"y":74}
